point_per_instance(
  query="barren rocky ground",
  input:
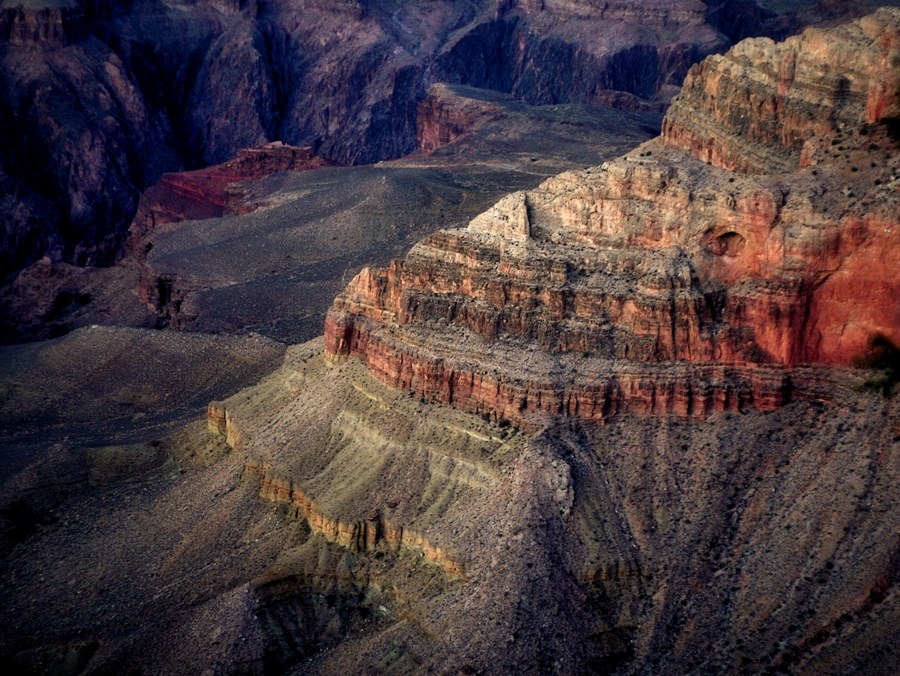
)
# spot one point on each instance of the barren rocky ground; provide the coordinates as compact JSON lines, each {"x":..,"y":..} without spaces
{"x":102,"y":97}
{"x":275,"y":271}
{"x":648,"y":545}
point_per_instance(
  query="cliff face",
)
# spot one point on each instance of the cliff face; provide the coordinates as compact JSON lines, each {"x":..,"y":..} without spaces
{"x":332,"y":520}
{"x":647,"y":545}
{"x":443,"y":117}
{"x":658,"y":282}
{"x":80,"y":141}
{"x":360,"y":526}
{"x":211,"y":192}
{"x":757,"y":108}
{"x":50,"y":27}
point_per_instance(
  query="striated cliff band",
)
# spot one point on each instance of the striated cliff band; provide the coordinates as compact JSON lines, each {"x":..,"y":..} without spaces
{"x":667,"y":281}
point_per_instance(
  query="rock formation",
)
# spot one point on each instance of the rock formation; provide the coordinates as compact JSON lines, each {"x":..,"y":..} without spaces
{"x":765,"y":106}
{"x":663,"y":282}
{"x":444,"y":116}
{"x":48,"y":26}
{"x":736,"y":512}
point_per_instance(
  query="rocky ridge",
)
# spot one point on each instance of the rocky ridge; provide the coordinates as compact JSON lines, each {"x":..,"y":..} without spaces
{"x":658,"y":282}
{"x":696,"y":540}
{"x":797,"y":98}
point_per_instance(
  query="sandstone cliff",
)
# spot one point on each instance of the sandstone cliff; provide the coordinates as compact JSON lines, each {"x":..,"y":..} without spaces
{"x":659,"y":282}
{"x":760,"y":107}
{"x":325,"y":521}
{"x":444,"y":116}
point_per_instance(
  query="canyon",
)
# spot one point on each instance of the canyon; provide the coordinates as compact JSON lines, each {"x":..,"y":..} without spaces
{"x":101,"y":99}
{"x":316,"y":227}
{"x":599,"y":392}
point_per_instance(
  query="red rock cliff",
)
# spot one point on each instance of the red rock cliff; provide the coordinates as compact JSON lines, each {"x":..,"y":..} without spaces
{"x":210,"y":192}
{"x":446,"y":115}
{"x":660,"y":282}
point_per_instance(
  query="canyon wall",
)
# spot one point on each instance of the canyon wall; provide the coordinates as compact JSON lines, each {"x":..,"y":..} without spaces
{"x":754,"y":109}
{"x":214,"y":191}
{"x":662,"y":282}
{"x":645,"y":545}
{"x":50,"y":27}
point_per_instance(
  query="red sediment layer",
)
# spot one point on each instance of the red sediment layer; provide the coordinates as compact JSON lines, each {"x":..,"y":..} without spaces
{"x":669,"y":281}
{"x":201,"y":194}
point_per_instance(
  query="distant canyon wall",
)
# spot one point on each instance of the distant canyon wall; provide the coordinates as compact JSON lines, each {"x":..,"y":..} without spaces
{"x":103,"y":98}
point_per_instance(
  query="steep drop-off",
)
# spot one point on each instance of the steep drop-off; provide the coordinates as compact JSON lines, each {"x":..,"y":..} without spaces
{"x":273,"y":249}
{"x":323,"y":523}
{"x":695,"y":480}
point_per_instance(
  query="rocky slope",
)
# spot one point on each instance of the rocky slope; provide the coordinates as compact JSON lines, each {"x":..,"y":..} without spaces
{"x":659,"y":282}
{"x":102,"y":98}
{"x":797,"y":104}
{"x":213,"y":192}
{"x":321,"y":522}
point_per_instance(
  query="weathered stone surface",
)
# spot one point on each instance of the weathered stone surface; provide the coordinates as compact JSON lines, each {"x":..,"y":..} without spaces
{"x":360,"y":536}
{"x":195,"y":82}
{"x":41,"y":26}
{"x":647,"y":544}
{"x":753,"y":109}
{"x":654,"y":283}
{"x":444,"y":116}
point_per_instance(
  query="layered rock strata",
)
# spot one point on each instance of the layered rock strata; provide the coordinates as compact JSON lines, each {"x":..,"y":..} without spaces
{"x":444,"y":116}
{"x":205,"y":79}
{"x":359,"y":536}
{"x":758,"y":108}
{"x":657,"y":283}
{"x":48,"y":26}
{"x":211,"y":192}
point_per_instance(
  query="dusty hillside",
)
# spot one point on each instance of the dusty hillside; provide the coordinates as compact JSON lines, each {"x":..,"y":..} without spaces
{"x":351,"y":526}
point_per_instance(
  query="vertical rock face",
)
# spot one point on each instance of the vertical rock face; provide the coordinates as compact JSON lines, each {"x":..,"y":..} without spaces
{"x":50,"y":27}
{"x":233,"y":103}
{"x":443,"y":116}
{"x":83,"y":139}
{"x":211,"y":192}
{"x":657,"y":13}
{"x":660,"y":282}
{"x":754,"y":109}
